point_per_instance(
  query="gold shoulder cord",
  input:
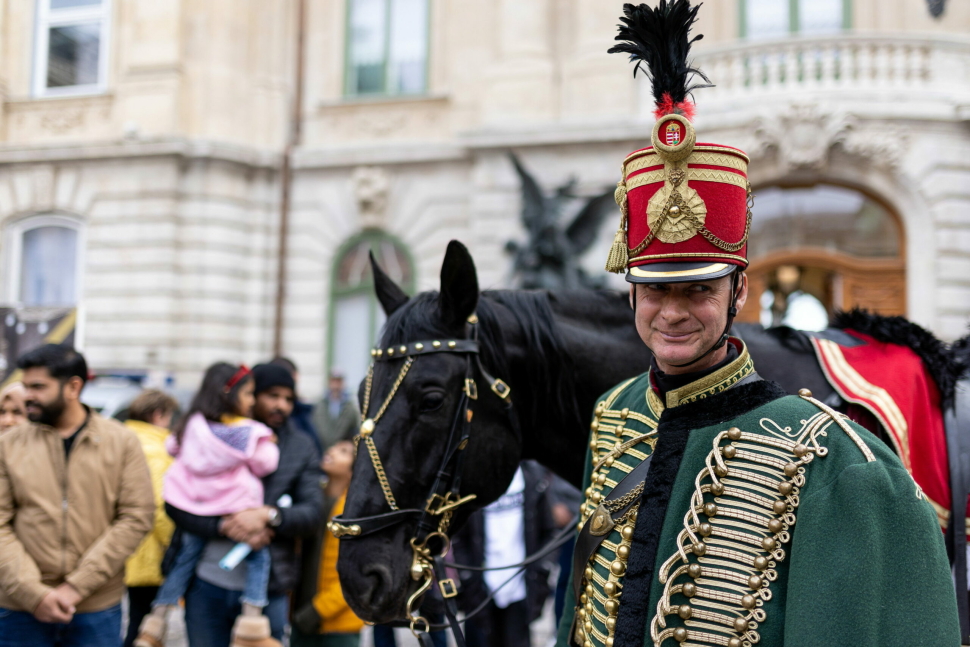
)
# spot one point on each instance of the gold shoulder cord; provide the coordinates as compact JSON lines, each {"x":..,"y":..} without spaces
{"x":740,"y":517}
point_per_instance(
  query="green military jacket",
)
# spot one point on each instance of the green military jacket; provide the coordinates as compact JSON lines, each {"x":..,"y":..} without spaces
{"x":763,"y":519}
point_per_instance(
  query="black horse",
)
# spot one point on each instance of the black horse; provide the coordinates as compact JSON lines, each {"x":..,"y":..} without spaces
{"x":558,"y":351}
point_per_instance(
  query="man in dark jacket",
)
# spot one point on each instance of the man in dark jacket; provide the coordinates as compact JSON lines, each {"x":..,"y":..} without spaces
{"x":518,"y":524}
{"x":293,"y":503}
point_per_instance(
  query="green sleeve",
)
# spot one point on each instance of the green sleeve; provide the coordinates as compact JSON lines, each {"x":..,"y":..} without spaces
{"x":868,"y":565}
{"x":568,"y":612}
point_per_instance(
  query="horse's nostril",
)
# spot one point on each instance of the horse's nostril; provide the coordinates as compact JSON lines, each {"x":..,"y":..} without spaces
{"x":378,"y":578}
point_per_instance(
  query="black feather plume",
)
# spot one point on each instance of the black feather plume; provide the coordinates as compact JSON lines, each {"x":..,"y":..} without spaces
{"x":661,"y":38}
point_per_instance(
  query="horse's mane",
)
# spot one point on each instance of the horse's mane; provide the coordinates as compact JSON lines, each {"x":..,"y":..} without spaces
{"x":549,"y":369}
{"x":944,"y":366}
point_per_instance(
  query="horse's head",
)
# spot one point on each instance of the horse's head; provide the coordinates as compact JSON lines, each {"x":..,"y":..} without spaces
{"x":411,"y":435}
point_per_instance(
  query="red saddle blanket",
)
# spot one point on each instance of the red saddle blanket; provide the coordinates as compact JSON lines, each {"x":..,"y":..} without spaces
{"x":892,"y":383}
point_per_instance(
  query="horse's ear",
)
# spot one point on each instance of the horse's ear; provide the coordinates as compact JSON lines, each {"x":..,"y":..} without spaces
{"x":390,"y":296}
{"x":459,"y":285}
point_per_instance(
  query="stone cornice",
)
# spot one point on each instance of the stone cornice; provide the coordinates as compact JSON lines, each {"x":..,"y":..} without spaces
{"x":168,"y":147}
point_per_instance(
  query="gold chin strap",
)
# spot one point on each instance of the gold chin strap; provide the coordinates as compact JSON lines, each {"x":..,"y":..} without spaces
{"x":367,"y":428}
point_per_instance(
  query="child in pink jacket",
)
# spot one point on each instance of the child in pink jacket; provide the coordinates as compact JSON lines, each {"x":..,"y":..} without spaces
{"x":220,"y":457}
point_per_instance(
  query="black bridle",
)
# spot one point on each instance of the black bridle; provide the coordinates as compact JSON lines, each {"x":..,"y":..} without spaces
{"x":444,"y":497}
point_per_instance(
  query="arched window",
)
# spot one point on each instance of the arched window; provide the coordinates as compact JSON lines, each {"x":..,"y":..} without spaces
{"x":43,"y":261}
{"x":356,"y":317}
{"x":821,"y":248}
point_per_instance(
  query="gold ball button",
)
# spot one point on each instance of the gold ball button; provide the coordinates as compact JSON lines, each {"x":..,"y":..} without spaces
{"x":775,"y":526}
{"x":373,"y":352}
{"x":684,"y":611}
{"x":734,"y":642}
{"x":805,"y":393}
{"x":717,"y":489}
{"x":390,"y":351}
{"x":674,"y":210}
{"x":680,"y":634}
{"x":582,"y":600}
{"x":600,"y":408}
{"x":419,"y":347}
{"x":587,"y":643}
{"x":451,"y":344}
{"x":761,"y":563}
{"x":791,"y":469}
{"x":721,"y":471}
{"x":588,"y":627}
{"x":734,"y":433}
{"x":582,"y":611}
{"x":589,"y":589}
{"x":600,"y":479}
{"x":436,"y":344}
{"x":710,"y":509}
{"x":366,"y":428}
{"x":623,"y":552}
{"x":588,"y":573}
{"x":594,"y":426}
{"x":609,"y":588}
{"x":618,"y":568}
{"x":700,"y":549}
{"x":403,"y":349}
{"x":779,"y":507}
{"x":624,"y":413}
{"x":799,"y":450}
{"x":694,"y":570}
{"x":612,"y":607}
{"x":705,"y":529}
{"x":609,"y":641}
{"x":611,"y":624}
{"x":627,"y":532}
{"x":748,"y":601}
{"x":592,"y":446}
{"x":689,"y":589}
{"x":730,"y":451}
{"x":608,"y":462}
{"x":740,"y":624}
{"x":755,"y":582}
{"x":596,"y":497}
{"x":769,"y":543}
{"x":786,"y":487}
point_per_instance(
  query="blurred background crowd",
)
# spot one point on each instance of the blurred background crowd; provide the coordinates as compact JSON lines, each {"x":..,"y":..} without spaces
{"x":186,"y":182}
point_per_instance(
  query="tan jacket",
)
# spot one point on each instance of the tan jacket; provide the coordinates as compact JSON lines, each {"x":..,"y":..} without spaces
{"x":73,"y":522}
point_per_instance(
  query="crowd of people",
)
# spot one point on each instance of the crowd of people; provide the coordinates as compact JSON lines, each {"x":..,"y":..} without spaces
{"x":221,"y":508}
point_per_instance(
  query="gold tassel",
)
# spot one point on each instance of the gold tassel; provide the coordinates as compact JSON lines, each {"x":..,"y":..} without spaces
{"x":617,"y":260}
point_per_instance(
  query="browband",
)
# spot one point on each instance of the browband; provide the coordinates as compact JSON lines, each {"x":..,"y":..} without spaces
{"x":425,"y":348}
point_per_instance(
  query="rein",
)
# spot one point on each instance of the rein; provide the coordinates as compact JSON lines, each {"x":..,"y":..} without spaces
{"x":434,"y":519}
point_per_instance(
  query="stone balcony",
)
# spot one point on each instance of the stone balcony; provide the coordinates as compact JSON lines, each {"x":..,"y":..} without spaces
{"x":889,"y":76}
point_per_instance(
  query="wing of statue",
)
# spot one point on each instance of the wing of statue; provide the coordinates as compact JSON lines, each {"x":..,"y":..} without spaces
{"x":533,"y":203}
{"x":585,"y":226}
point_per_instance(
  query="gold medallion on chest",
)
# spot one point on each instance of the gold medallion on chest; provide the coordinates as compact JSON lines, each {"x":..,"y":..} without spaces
{"x":602,"y":522}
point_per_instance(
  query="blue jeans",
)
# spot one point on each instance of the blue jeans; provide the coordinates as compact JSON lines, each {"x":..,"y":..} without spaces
{"x":210,"y":612}
{"x":95,"y":629}
{"x":183,"y":570}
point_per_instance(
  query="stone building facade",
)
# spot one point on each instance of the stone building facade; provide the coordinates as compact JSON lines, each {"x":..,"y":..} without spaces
{"x":156,"y":131}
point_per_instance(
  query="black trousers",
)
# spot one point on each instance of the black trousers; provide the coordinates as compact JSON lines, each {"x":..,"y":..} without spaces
{"x":139,"y":605}
{"x":495,"y":627}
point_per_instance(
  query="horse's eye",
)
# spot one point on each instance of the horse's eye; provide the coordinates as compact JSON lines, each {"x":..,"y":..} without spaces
{"x":431,"y":401}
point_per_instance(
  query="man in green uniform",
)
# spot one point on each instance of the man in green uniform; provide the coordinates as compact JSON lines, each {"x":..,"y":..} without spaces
{"x":699,"y":470}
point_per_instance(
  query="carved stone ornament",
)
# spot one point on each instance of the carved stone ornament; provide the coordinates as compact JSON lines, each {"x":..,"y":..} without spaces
{"x":371,"y":186}
{"x":804,"y":135}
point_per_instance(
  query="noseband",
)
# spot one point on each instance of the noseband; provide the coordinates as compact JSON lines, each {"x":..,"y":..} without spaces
{"x":444,"y":498}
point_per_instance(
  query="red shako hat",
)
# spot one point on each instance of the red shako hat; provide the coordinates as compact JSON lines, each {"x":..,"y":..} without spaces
{"x":685,"y":206}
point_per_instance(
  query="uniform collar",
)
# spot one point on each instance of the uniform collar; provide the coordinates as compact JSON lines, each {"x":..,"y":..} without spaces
{"x":707,"y":385}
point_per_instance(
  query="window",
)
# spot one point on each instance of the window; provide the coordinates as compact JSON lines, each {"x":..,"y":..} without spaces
{"x":71,"y":47}
{"x":356,"y":317}
{"x":387,"y":47}
{"x":43,"y":261}
{"x":768,"y":19}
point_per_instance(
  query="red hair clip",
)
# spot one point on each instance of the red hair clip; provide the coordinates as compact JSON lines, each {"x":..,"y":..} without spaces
{"x":237,"y":377}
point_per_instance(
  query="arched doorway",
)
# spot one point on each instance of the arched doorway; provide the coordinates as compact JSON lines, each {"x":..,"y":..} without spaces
{"x":821,"y":248}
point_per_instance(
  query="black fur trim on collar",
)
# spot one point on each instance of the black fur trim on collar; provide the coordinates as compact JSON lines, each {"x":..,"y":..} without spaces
{"x":672,"y":435}
{"x":945,"y":367}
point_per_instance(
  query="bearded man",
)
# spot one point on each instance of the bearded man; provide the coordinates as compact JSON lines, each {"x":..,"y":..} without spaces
{"x":698,"y":469}
{"x":75,"y":502}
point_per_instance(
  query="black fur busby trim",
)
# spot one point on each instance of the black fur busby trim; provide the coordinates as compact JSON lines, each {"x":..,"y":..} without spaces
{"x":944,"y":364}
{"x":672,"y":435}
{"x":661,"y":38}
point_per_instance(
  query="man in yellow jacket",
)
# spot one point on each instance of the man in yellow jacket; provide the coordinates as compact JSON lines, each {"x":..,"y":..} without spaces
{"x":150,"y":417}
{"x":75,"y":502}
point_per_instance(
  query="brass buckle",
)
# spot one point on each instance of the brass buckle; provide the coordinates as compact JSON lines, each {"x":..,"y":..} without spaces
{"x":448,"y":588}
{"x":445,"y":504}
{"x":501,"y":389}
{"x":471,"y":388}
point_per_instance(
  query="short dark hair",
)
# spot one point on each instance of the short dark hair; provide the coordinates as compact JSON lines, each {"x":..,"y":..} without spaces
{"x":286,"y":363}
{"x":149,"y":401}
{"x":62,"y":362}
